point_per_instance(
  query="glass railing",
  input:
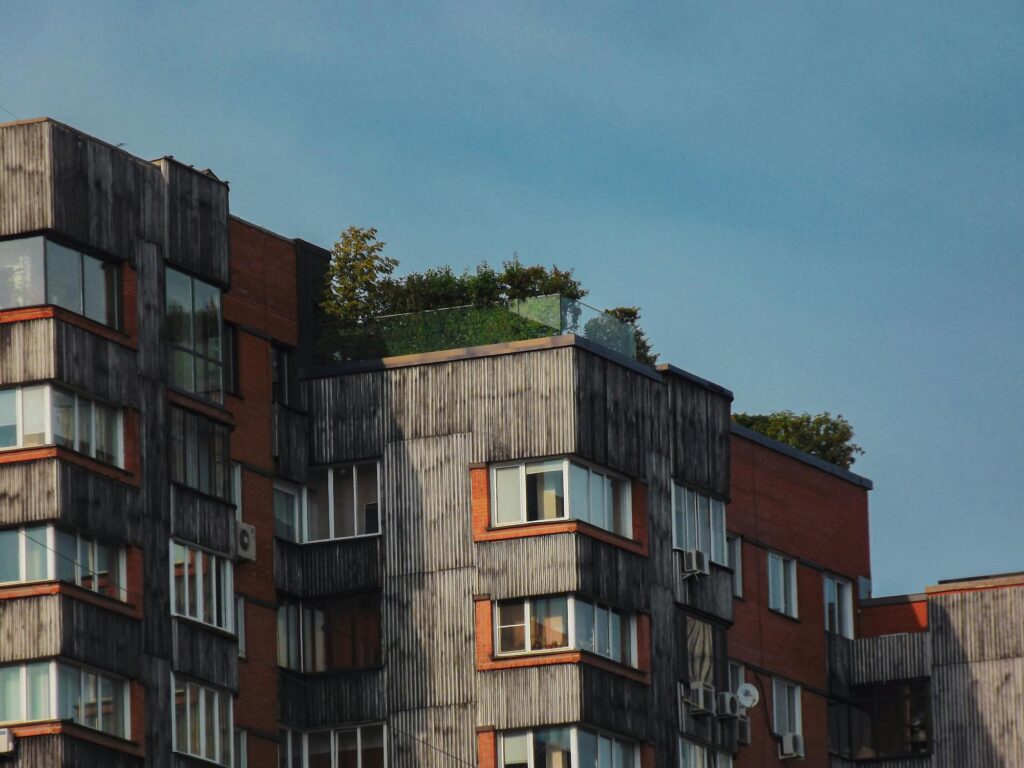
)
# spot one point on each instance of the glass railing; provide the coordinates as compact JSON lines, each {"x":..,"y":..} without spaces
{"x":472,"y":326}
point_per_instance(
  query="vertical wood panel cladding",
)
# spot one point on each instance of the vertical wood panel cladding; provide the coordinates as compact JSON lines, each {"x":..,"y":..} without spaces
{"x":416,"y":736}
{"x":538,"y":565}
{"x":27,"y":352}
{"x":426,"y":401}
{"x":426,"y":501}
{"x":611,"y":574}
{"x":290,"y":442}
{"x":202,"y":520}
{"x":839,"y":660}
{"x":105,"y":507}
{"x":700,"y":434}
{"x":26,"y":184}
{"x":904,"y":762}
{"x":529,"y":696}
{"x":327,"y":568}
{"x":977,"y":625}
{"x":197,"y":222}
{"x":28,"y":491}
{"x":891,"y":657}
{"x":60,"y":750}
{"x":617,"y":704}
{"x":29,"y":628}
{"x":977,"y":713}
{"x":205,"y":654}
{"x":100,"y":637}
{"x":314,"y":701}
{"x":428,"y":628}
{"x":708,"y":594}
{"x":346,"y":417}
{"x":94,"y":364}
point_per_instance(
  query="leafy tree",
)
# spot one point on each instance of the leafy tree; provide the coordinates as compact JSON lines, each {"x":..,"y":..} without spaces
{"x":644,"y":351}
{"x":353,"y":291}
{"x":825,"y":436}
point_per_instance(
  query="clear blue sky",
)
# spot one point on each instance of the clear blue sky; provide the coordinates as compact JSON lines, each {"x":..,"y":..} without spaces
{"x":819,"y":205}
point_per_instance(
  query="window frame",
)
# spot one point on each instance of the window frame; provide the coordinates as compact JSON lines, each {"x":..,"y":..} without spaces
{"x":192,"y":349}
{"x":702,"y":755}
{"x":867,"y":697}
{"x":204,"y":689}
{"x":843,"y":590}
{"x":734,"y":553}
{"x":568,"y":513}
{"x":300,"y":505}
{"x":790,"y":605}
{"x":574,"y":730}
{"x":786,"y":686}
{"x":225,"y":592}
{"x":304,"y":646}
{"x":289,"y":734}
{"x":716,"y":548}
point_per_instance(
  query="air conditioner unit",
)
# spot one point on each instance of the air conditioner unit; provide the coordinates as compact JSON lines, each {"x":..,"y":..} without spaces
{"x":245,"y":542}
{"x":743,"y":730}
{"x":6,"y":741}
{"x":695,"y":563}
{"x":701,"y":699}
{"x":791,"y":745}
{"x":728,"y":705}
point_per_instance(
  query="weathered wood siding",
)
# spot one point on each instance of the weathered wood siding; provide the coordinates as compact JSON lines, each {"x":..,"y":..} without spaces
{"x":27,"y":352}
{"x":839,"y":661}
{"x":203,"y":520}
{"x":94,"y":365}
{"x":197,"y":222}
{"x":711,"y":595}
{"x":323,"y":700}
{"x":62,"y":750}
{"x":433,"y":736}
{"x":528,"y":696}
{"x":290,"y":442}
{"x":205,"y":654}
{"x":891,"y":657}
{"x":328,"y":567}
{"x":26,"y":182}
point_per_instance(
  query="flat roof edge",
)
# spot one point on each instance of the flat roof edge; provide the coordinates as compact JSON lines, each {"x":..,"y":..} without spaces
{"x":806,"y":458}
{"x":695,"y":379}
{"x":873,"y":602}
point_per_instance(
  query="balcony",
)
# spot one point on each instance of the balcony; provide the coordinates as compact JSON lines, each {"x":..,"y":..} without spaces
{"x":473,"y":326}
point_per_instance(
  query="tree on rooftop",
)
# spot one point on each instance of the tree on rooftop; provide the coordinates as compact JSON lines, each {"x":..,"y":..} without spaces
{"x":825,"y":436}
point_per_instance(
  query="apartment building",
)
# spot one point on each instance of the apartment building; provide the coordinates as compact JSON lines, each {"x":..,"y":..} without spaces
{"x":220,"y":544}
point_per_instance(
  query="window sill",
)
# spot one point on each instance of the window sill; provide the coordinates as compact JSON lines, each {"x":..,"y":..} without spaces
{"x":564,"y":656}
{"x":51,"y":311}
{"x":561,"y":525}
{"x":783,"y":615}
{"x":17,"y":590}
{"x":37,"y":452}
{"x":74,"y":730}
{"x":227,"y":634}
{"x":199,"y":404}
{"x":331,"y":673}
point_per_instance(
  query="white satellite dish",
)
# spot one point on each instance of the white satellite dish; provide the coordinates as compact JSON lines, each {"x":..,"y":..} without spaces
{"x":748,"y":696}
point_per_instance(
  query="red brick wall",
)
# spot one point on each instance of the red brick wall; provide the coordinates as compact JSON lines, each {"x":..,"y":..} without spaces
{"x":892,"y":619}
{"x":486,"y":749}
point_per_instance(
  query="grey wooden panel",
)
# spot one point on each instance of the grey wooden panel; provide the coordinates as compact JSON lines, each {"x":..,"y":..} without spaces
{"x":91,"y":502}
{"x":27,"y":352}
{"x":711,"y":594}
{"x":204,"y":654}
{"x":839,"y":660}
{"x":977,"y":625}
{"x":538,"y":565}
{"x":612,"y":574}
{"x":26,"y":184}
{"x":327,"y":568}
{"x":923,"y":761}
{"x":976,"y":712}
{"x":30,"y":628}
{"x":314,"y":701}
{"x":528,"y":696}
{"x":426,"y":505}
{"x":428,"y":631}
{"x":202,"y":520}
{"x":618,"y":704}
{"x":62,"y":750}
{"x":436,"y":736}
{"x":28,"y":491}
{"x":290,"y":442}
{"x":891,"y":657}
{"x":100,"y":637}
{"x":346,"y":417}
{"x":427,"y":401}
{"x":197,"y":222}
{"x":95,"y":365}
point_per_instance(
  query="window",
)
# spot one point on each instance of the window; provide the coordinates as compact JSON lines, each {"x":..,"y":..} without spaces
{"x":782,"y":584}
{"x":692,"y":755}
{"x":48,"y":415}
{"x":45,"y":553}
{"x":52,"y":690}
{"x":202,"y":721}
{"x":737,"y":676}
{"x":320,"y":635}
{"x":705,"y":653}
{"x":552,"y":623}
{"x":336,"y":503}
{"x":236,"y":489}
{"x":202,"y":586}
{"x":559,"y":489}
{"x":347,"y":747}
{"x":240,"y":749}
{"x":284,"y":377}
{"x":566,"y":746}
{"x":786,"y":712}
{"x":240,"y":624}
{"x":890,"y":719}
{"x":195,"y":351}
{"x":231,"y":368}
{"x":698,"y":522}
{"x":735,"y":547}
{"x":37,"y":271}
{"x":838,"y":606}
{"x":199,"y":452}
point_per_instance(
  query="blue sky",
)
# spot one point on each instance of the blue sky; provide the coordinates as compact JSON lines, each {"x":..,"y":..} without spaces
{"x":819,"y":205}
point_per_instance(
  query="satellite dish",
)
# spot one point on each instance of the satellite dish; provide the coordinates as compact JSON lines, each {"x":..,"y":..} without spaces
{"x":748,"y":696}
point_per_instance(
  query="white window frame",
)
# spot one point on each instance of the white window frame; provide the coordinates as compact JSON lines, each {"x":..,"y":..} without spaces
{"x":53,"y":689}
{"x":574,"y":743}
{"x":566,"y":461}
{"x":236,"y":489}
{"x":740,"y":673}
{"x":701,"y":756}
{"x":843,"y":589}
{"x":240,"y":624}
{"x":784,"y":686}
{"x":300,"y":508}
{"x":293,"y":733}
{"x":48,"y":437}
{"x":716,"y":548}
{"x":298,"y":494}
{"x":217,"y":692}
{"x":240,"y":756}
{"x":117,"y":574}
{"x":571,"y":638}
{"x":734,"y":551}
{"x":226,"y":591}
{"x":789,"y":582}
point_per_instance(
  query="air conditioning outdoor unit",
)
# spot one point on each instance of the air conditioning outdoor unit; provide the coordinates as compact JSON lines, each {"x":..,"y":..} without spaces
{"x":6,"y":741}
{"x":245,"y":542}
{"x":701,"y":699}
{"x":728,"y":705}
{"x":743,"y":730}
{"x":695,"y":563}
{"x":791,"y":745}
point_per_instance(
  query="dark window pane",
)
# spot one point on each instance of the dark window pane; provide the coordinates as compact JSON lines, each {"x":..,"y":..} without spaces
{"x":179,"y":309}
{"x":21,"y":273}
{"x":207,"y":319}
{"x":8,"y":418}
{"x":545,"y":491}
{"x":94,"y":273}
{"x":317,"y":511}
{"x":551,"y":748}
{"x":9,"y":560}
{"x":549,"y":623}
{"x":63,"y":416}
{"x":63,"y":277}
